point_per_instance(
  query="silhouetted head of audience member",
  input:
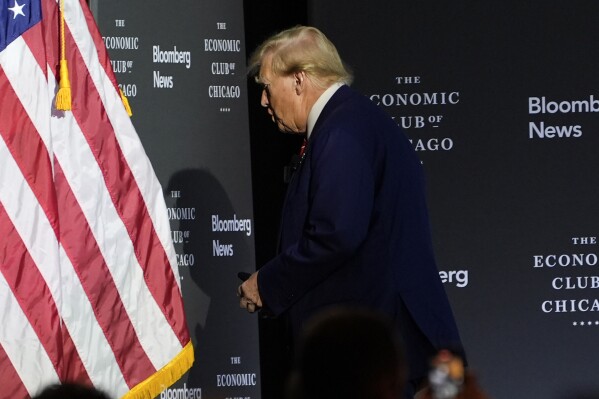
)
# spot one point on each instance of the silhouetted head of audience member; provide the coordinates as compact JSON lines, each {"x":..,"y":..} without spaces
{"x":71,"y":391}
{"x":350,"y":354}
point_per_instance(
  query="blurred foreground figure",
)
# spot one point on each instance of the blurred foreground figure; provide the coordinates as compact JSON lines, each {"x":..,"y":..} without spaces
{"x":349,"y":354}
{"x":71,"y":391}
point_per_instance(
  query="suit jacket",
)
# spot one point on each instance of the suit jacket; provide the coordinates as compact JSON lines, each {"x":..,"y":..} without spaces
{"x":355,"y":231}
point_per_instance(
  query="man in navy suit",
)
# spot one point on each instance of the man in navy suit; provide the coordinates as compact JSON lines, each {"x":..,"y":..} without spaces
{"x":355,"y":228}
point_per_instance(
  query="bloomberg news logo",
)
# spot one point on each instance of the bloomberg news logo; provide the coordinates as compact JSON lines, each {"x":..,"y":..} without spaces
{"x":547,"y":108}
{"x":181,"y":393}
{"x":457,"y":277}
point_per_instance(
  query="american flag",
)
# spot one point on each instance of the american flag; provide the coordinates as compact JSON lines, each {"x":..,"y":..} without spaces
{"x":89,"y":287}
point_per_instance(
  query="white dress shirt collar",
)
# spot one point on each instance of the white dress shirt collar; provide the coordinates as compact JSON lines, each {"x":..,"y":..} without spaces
{"x":319,"y":106}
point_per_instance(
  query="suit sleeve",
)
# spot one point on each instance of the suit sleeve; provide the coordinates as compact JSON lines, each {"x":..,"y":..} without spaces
{"x":341,"y":197}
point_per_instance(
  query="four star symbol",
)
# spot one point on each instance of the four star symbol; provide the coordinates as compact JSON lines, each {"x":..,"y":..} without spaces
{"x":17,"y":9}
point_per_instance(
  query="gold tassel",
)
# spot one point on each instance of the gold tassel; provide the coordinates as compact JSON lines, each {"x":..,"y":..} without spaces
{"x":126,"y":103}
{"x":63,"y":97}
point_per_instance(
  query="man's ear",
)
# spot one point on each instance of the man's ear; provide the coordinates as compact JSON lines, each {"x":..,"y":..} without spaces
{"x":300,"y":80}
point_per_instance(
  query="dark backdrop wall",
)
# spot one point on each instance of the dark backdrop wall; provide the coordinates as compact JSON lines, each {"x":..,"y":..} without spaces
{"x":500,"y":101}
{"x":182,"y":66}
{"x":271,"y":152}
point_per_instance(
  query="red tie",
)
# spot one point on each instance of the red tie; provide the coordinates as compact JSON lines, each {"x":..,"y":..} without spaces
{"x":303,"y":148}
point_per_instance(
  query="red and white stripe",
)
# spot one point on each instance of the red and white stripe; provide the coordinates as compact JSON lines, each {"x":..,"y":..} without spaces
{"x":89,"y":288}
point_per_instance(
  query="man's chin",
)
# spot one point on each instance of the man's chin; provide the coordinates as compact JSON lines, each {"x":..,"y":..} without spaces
{"x":282,"y":128}
{"x":287,"y":130}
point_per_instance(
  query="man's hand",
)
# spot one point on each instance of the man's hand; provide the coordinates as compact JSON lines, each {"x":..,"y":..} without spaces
{"x":249,"y":294}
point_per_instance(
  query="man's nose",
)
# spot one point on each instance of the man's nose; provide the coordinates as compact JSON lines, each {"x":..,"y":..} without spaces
{"x":264,"y":99}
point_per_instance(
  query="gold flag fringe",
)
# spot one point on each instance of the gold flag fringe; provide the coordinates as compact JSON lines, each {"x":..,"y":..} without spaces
{"x":165,"y":377}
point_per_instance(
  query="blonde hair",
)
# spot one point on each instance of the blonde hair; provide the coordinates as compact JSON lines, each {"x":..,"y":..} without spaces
{"x":302,"y":48}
